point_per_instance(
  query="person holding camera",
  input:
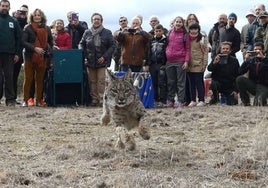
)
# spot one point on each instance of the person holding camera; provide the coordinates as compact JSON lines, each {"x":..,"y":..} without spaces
{"x":75,"y":28}
{"x":36,"y":37}
{"x":133,"y":41}
{"x":224,"y":70}
{"x":256,"y":64}
{"x":123,"y":22}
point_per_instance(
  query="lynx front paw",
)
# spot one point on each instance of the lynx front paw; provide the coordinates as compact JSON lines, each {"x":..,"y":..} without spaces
{"x":105,"y":120}
{"x":130,"y":142}
{"x":144,"y":132}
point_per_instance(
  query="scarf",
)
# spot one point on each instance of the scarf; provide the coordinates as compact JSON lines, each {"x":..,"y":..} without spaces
{"x":192,"y":37}
{"x":96,"y":35}
{"x":40,"y":41}
{"x":202,"y":44}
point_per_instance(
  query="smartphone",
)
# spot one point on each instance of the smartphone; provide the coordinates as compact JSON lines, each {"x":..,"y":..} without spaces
{"x":74,"y":16}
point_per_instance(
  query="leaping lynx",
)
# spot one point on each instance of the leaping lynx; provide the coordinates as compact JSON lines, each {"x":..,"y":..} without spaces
{"x":122,"y":105}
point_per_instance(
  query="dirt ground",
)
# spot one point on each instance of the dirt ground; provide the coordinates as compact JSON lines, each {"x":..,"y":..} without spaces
{"x":213,"y":146}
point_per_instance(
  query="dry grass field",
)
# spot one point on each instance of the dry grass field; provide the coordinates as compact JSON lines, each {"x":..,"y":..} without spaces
{"x":214,"y":146}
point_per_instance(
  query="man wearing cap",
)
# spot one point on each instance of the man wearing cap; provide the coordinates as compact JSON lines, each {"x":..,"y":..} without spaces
{"x":10,"y":36}
{"x":250,"y":17}
{"x":230,"y":34}
{"x":261,"y":34}
{"x":253,"y":26}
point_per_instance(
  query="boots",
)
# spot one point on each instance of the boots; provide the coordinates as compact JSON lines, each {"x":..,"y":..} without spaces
{"x":214,"y":98}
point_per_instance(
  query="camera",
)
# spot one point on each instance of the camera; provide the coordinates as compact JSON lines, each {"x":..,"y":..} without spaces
{"x":252,"y":53}
{"x":22,"y":12}
{"x":131,"y":30}
{"x":223,"y":58}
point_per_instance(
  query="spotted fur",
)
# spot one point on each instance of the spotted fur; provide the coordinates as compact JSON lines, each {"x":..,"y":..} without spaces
{"x":122,"y":105}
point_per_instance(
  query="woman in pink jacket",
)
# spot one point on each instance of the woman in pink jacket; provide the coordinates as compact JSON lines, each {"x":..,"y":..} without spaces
{"x":178,"y":56}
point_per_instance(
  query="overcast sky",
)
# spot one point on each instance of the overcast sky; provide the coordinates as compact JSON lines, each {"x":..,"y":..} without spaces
{"x":207,"y":11}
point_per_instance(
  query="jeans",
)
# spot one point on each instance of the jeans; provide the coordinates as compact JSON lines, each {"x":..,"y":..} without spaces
{"x":196,"y":85}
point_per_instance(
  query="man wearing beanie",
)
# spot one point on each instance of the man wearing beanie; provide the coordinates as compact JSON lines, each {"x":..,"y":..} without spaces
{"x":230,"y":34}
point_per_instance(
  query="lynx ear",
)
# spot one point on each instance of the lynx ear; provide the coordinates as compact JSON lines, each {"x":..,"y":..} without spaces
{"x":128,"y":75}
{"x":109,"y":76}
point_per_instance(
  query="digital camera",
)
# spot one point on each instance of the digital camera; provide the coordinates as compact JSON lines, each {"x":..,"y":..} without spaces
{"x":131,"y":30}
{"x":223,"y":58}
{"x":252,"y":53}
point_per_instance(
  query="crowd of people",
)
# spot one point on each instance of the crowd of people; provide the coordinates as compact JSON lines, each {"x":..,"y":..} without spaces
{"x":176,"y":57}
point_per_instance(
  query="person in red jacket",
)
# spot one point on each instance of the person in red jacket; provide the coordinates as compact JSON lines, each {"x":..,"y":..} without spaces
{"x":63,"y":39}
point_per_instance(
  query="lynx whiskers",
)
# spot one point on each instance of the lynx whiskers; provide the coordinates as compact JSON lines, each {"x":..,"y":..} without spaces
{"x":122,"y":105}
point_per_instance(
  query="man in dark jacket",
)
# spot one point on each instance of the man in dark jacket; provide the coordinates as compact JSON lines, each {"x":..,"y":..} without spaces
{"x":257,"y":82}
{"x":157,"y":61}
{"x":230,"y":34}
{"x":98,"y":46}
{"x":10,"y":36}
{"x":254,"y":26}
{"x":213,"y":36}
{"x":123,"y":22}
{"x":22,"y":19}
{"x":224,"y":68}
{"x":75,"y":28}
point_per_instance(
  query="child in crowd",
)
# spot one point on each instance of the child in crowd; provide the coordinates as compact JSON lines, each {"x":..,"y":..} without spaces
{"x":157,"y":61}
{"x":197,"y":65}
{"x":178,"y":56}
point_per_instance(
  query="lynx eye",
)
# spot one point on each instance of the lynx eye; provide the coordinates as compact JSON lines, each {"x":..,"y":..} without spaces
{"x":114,"y":90}
{"x":127,"y":90}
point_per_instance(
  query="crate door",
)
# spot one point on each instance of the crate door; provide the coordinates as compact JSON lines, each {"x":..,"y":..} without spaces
{"x":68,"y":66}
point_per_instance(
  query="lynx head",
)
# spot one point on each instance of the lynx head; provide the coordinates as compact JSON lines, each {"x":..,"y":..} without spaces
{"x":120,"y":91}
